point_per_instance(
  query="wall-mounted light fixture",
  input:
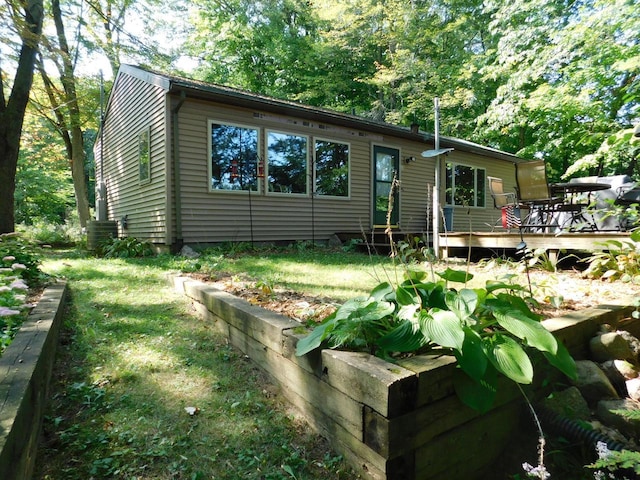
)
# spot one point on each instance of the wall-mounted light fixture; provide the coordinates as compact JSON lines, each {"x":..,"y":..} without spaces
{"x":409,"y":159}
{"x":436,"y":152}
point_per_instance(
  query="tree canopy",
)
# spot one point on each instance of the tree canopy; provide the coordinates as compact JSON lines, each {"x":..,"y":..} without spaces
{"x":552,"y":79}
{"x":549,"y":79}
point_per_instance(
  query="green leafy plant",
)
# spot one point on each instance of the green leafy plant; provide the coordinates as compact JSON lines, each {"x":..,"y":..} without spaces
{"x":19,"y":267}
{"x":414,"y":249}
{"x":624,"y":464}
{"x":619,"y":260}
{"x":23,"y":252}
{"x":128,"y":247}
{"x":487,"y":329}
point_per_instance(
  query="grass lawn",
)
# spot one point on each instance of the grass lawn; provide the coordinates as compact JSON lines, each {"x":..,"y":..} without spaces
{"x":133,"y":357}
{"x":312,"y":271}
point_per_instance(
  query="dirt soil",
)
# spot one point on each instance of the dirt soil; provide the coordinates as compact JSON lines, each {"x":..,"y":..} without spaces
{"x":558,"y":293}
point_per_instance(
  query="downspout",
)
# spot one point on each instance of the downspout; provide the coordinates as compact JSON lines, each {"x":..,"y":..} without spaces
{"x":101,"y":200}
{"x":176,"y":167}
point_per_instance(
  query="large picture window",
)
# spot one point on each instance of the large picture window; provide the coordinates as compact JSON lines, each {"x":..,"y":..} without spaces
{"x":144,"y":156}
{"x":234,"y":157}
{"x":331,"y":168}
{"x":287,"y":163}
{"x":465,"y":185}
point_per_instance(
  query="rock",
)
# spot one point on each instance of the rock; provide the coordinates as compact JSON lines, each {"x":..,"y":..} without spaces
{"x":617,"y":345}
{"x":189,"y":252}
{"x":633,"y":388}
{"x":626,"y":369}
{"x":612,"y":412}
{"x":568,"y":403}
{"x":334,"y":241}
{"x":615,"y":376}
{"x":593,"y":383}
{"x":631,"y":325}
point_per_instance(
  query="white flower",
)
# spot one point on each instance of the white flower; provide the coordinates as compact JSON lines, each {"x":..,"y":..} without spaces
{"x":538,"y":472}
{"x":19,"y":285}
{"x":8,"y":258}
{"x":8,"y":312}
{"x":19,"y":266}
{"x":602,"y":450}
{"x":4,"y":288}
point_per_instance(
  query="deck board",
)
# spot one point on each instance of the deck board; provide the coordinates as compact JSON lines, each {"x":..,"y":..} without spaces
{"x":569,"y":241}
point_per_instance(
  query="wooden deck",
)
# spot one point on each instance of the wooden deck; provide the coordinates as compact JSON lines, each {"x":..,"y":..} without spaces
{"x":553,"y":242}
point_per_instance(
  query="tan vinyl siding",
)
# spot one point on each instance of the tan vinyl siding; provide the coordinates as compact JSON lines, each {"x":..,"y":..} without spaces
{"x":222,"y":216}
{"x":199,"y":216}
{"x":134,"y":106}
{"x":416,"y":180}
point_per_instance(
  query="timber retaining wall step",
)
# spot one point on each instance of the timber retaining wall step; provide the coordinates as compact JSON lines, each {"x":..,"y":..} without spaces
{"x":390,"y":421}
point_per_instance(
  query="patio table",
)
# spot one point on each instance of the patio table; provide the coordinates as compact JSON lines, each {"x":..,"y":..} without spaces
{"x":571,"y":204}
{"x":571,"y":188}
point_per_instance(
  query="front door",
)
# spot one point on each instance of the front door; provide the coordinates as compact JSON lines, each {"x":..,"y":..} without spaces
{"x":386,"y":165}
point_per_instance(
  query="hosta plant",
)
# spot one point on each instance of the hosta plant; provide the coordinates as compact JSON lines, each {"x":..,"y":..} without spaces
{"x":490,"y":330}
{"x":618,"y":260}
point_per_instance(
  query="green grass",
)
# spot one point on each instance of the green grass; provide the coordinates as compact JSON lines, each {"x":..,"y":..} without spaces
{"x":313,"y":271}
{"x":133,"y":356}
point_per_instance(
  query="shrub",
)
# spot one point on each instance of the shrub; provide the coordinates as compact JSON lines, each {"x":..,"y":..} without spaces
{"x":619,"y":260}
{"x":128,"y":247}
{"x":43,"y":232}
{"x":18,"y":264}
{"x":16,"y":246}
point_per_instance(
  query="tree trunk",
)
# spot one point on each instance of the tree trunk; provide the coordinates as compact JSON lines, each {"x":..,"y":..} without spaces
{"x":12,"y":111}
{"x":78,"y":161}
{"x":76,"y":153}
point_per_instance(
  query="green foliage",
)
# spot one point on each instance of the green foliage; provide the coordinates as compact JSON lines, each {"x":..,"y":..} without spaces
{"x":487,"y":329}
{"x":414,"y":249}
{"x":619,"y":260}
{"x":17,"y":266}
{"x":54,"y":234}
{"x":44,"y":190}
{"x":23,"y":252}
{"x":624,"y":464}
{"x":127,"y":247}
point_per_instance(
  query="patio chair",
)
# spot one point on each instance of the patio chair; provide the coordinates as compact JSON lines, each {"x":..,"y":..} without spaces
{"x":534,"y":194}
{"x":506,"y":202}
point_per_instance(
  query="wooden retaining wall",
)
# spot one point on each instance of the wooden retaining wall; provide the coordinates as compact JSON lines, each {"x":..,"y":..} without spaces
{"x":25,"y":372}
{"x":390,"y":421}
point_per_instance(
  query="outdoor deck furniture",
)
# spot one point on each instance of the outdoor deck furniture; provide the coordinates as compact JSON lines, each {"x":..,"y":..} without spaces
{"x":506,"y":202}
{"x":576,"y":199}
{"x":535,"y":195}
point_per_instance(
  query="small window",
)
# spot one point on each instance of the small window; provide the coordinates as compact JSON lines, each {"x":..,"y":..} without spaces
{"x":465,"y":185}
{"x":331,"y":168}
{"x":234,"y":157}
{"x":144,"y":156}
{"x":287,"y":163}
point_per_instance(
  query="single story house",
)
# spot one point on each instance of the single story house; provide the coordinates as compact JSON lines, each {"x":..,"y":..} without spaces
{"x":179,"y":161}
